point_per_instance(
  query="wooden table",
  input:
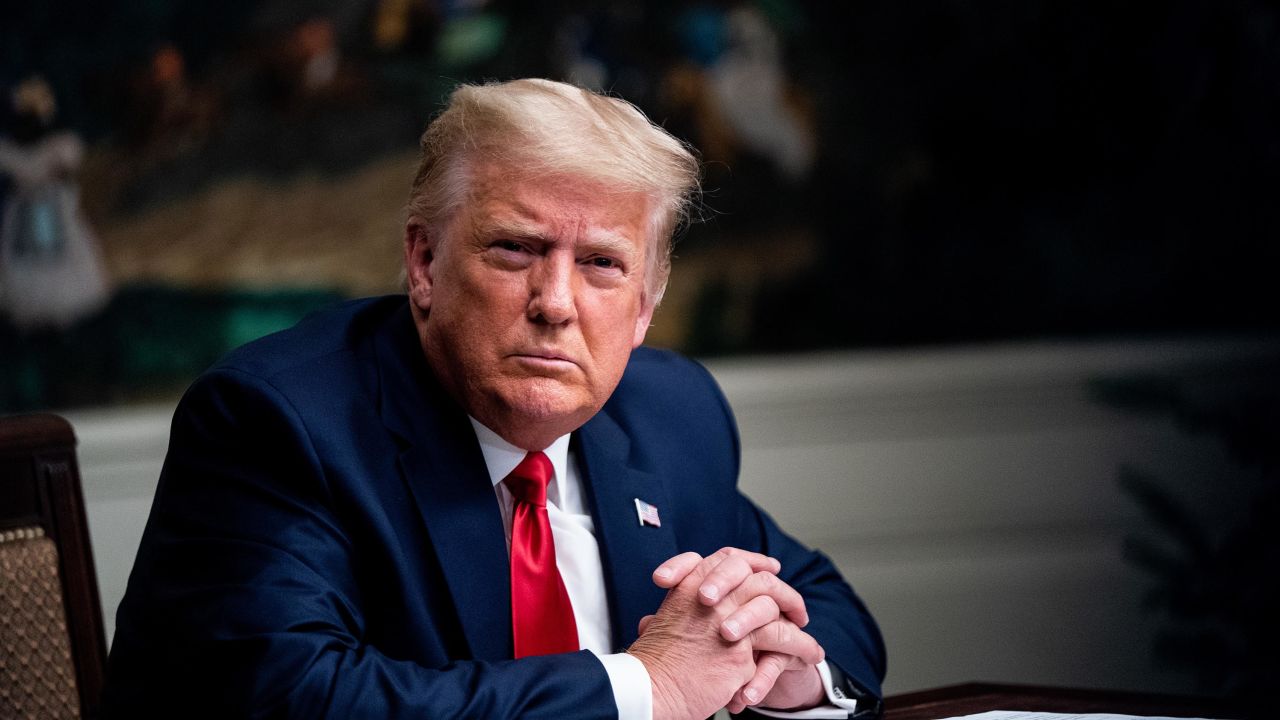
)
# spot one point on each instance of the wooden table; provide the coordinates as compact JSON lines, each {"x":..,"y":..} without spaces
{"x":973,"y":698}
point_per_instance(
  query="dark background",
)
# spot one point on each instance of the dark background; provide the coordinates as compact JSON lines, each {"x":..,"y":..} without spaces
{"x":983,"y":170}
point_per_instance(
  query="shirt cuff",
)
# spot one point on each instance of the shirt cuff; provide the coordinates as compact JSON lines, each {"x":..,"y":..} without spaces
{"x":632,"y":689}
{"x":838,"y":706}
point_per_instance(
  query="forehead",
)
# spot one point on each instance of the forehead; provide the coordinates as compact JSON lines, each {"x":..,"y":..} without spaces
{"x":553,"y":205}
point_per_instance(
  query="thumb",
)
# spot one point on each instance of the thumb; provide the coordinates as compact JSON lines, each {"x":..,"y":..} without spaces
{"x":644,"y":623}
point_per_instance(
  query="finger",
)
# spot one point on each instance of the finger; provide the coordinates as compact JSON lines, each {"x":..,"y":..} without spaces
{"x":789,"y":601}
{"x":769,"y":667}
{"x":759,"y":562}
{"x":720,"y":585}
{"x":749,"y":617}
{"x":723,"y":578}
{"x":644,"y":623}
{"x":671,"y":572}
{"x":782,"y":636}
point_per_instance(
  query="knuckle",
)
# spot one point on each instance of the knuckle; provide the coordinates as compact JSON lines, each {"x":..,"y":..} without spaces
{"x":773,"y":665}
{"x":766,"y":584}
{"x":766,"y":636}
{"x":713,"y":560}
{"x":738,"y":566}
{"x":767,"y":607}
{"x":749,"y":617}
{"x":718,"y":612}
{"x":692,"y":560}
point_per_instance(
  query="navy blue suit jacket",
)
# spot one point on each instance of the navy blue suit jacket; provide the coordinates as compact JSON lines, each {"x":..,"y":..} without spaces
{"x":325,"y":541}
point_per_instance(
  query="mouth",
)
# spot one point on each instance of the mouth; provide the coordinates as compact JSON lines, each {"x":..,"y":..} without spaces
{"x":544,"y":360}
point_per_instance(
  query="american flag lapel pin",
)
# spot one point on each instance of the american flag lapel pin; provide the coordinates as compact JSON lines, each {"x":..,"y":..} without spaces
{"x":647,"y":513}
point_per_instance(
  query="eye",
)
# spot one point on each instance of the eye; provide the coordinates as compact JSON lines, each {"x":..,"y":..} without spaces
{"x":603,"y":262}
{"x":509,"y":245}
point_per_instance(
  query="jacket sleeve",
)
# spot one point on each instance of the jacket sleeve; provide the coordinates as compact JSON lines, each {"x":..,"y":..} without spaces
{"x":244,"y":600}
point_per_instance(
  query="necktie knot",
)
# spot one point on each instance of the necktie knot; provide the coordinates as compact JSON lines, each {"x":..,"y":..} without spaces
{"x":528,"y":482}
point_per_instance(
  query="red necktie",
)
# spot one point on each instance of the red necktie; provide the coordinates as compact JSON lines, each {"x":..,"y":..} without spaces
{"x":541,"y":615}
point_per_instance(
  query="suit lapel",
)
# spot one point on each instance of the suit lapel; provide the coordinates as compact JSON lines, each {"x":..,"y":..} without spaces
{"x":445,"y":471}
{"x":630,"y":552}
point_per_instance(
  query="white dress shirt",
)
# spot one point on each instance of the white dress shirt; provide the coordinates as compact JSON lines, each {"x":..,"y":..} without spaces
{"x":578,"y":560}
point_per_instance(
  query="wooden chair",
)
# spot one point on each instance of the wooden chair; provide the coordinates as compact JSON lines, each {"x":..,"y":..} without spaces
{"x":52,"y":648}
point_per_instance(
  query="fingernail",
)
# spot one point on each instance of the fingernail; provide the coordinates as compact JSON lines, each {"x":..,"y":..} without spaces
{"x":752,"y":694}
{"x":709,"y":591}
{"x":733,"y":627}
{"x":662,"y":573}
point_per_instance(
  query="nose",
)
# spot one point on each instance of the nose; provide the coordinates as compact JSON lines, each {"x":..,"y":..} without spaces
{"x":551,"y":291}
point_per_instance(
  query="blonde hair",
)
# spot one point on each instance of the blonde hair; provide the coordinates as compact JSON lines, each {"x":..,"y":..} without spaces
{"x":543,"y":128}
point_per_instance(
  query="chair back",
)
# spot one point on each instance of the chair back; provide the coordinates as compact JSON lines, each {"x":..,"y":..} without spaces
{"x":52,"y":646}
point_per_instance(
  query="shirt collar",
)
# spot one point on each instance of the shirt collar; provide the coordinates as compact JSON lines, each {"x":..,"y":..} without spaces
{"x":501,"y":457}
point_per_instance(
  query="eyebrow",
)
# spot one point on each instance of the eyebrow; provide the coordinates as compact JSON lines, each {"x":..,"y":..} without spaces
{"x":512,"y":228}
{"x":602,"y":238}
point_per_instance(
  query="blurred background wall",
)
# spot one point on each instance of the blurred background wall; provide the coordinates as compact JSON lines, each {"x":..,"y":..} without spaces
{"x":987,"y":282}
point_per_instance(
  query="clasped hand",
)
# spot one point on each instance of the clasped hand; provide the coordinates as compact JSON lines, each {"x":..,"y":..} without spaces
{"x":728,"y":634}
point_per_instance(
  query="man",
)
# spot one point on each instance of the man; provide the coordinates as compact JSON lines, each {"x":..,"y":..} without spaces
{"x":484,"y":499}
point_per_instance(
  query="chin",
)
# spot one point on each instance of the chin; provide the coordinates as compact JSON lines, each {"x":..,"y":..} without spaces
{"x":549,"y":401}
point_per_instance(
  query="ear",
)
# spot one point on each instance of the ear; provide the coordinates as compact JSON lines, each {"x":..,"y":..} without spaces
{"x":418,"y":255}
{"x":642,"y":322}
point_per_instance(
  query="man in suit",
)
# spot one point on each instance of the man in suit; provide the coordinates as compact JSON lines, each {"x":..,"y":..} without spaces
{"x":485,"y":499}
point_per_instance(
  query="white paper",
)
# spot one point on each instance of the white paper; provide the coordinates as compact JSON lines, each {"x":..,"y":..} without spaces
{"x":1027,"y":715}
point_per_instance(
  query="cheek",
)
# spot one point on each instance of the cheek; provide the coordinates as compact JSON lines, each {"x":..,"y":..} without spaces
{"x":613,"y":346}
{"x":461,"y":319}
{"x":498,"y":293}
